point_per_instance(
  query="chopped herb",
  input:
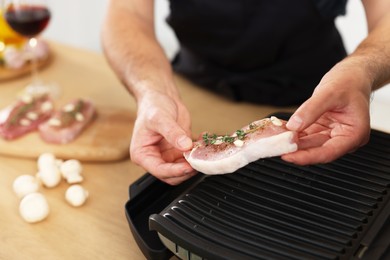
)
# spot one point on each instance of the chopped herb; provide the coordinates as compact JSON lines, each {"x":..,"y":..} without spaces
{"x":252,"y":126}
{"x":206,"y":138}
{"x":20,"y":112}
{"x":209,"y":139}
{"x":68,"y":117}
{"x":240,"y":134}
{"x":212,"y":139}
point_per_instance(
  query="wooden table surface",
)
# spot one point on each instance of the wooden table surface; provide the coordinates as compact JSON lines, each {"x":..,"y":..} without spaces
{"x":98,"y":229}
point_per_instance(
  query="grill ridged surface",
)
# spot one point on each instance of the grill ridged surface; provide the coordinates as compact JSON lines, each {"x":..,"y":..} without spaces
{"x":273,"y":209}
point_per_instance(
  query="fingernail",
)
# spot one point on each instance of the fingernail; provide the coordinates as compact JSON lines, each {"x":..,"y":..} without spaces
{"x":184,"y":142}
{"x":294,"y":123}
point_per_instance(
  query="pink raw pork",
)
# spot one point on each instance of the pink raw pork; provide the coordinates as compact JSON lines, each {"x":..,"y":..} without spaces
{"x":25,"y":115}
{"x":225,"y":154}
{"x":68,"y":123}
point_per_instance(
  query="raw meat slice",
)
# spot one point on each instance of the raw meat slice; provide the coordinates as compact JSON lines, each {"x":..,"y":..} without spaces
{"x":25,"y":115}
{"x":67,"y":123}
{"x":225,"y":154}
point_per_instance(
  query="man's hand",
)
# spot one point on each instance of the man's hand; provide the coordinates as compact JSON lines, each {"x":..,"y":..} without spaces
{"x":161,"y":135}
{"x":335,"y":120}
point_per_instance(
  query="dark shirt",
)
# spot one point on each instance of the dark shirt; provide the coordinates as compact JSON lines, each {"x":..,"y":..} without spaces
{"x":331,"y":8}
{"x":268,"y":52}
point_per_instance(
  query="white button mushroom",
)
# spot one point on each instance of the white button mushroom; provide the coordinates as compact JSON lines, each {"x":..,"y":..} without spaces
{"x":71,"y":166}
{"x":74,"y":177}
{"x":25,"y":184}
{"x":50,"y":176}
{"x":76,"y":195}
{"x":48,"y":170}
{"x":46,"y":159}
{"x":34,"y":207}
{"x":71,"y":171}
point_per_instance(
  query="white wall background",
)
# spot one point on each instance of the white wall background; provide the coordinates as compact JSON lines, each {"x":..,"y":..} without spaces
{"x":78,"y":23}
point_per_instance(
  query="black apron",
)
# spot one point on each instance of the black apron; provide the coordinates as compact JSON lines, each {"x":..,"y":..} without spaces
{"x":261,"y":51}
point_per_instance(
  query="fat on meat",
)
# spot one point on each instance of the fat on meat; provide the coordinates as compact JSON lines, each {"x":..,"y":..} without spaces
{"x":264,"y":138}
{"x":55,"y":131}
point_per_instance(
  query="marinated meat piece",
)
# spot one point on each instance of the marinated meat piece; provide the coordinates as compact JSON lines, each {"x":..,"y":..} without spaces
{"x":25,"y":115}
{"x":68,"y":123}
{"x":225,"y":154}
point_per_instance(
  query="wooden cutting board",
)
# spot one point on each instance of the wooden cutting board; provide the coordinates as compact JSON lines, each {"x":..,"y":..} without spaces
{"x":106,"y":139}
{"x":78,"y":74}
{"x":8,"y":74}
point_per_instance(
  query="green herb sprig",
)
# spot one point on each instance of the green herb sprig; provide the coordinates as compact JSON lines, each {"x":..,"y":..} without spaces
{"x":68,"y":117}
{"x":20,"y":113}
{"x":239,"y":135}
{"x":213,"y":138}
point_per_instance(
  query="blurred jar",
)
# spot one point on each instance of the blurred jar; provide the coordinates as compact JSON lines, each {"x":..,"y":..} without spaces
{"x":7,"y":36}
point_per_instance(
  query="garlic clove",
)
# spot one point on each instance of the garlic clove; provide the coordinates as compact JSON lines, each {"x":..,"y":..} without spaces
{"x":47,"y":106}
{"x":34,"y":207}
{"x":69,"y":107}
{"x":27,"y":99}
{"x":32,"y":116}
{"x":76,"y":195}
{"x":54,"y":122}
{"x":25,"y":184}
{"x":239,"y":143}
{"x":80,"y":117}
{"x":276,"y":121}
{"x":25,"y":122}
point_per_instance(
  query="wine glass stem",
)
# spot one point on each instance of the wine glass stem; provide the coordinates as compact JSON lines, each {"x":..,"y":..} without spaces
{"x":34,"y":62}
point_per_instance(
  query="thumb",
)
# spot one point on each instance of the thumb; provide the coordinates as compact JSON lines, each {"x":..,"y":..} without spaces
{"x":174,"y":134}
{"x":308,"y":113}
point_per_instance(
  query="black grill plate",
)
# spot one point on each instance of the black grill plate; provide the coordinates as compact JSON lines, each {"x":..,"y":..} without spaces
{"x":272,"y":209}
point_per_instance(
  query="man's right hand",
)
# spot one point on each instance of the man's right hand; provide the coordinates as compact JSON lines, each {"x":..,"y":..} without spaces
{"x":161,"y":135}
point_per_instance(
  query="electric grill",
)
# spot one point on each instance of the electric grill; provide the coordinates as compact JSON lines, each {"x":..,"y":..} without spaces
{"x":271,"y":209}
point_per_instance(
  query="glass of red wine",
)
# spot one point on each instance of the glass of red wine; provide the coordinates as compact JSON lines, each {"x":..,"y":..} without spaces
{"x":29,"y":18}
